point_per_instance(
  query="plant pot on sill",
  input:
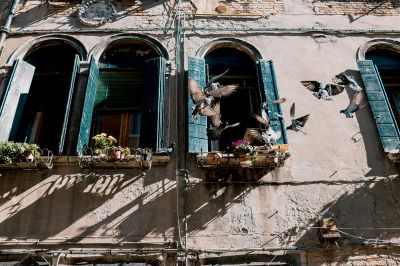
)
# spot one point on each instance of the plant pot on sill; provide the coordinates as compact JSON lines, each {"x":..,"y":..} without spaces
{"x":246,"y":159}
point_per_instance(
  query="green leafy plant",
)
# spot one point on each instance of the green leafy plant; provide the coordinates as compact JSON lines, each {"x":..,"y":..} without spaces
{"x":102,"y":141}
{"x":14,"y":152}
{"x":244,"y":149}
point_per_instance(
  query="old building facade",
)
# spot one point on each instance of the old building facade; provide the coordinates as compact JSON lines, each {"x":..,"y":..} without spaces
{"x":71,"y":70}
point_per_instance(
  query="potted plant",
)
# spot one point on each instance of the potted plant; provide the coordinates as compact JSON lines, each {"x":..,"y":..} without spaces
{"x":14,"y":152}
{"x":103,"y":144}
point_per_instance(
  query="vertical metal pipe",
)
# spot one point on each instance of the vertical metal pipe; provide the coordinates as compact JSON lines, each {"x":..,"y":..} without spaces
{"x":185,"y":209}
{"x":7,"y":25}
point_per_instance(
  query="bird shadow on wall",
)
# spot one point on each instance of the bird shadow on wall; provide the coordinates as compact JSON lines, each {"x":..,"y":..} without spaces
{"x":377,"y":160}
{"x":365,"y":213}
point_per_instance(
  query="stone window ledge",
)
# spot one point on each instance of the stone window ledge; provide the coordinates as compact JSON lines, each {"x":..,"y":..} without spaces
{"x":156,"y":160}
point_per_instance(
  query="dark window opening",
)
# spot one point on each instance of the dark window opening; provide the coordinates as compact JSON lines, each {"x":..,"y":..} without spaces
{"x":43,"y":115}
{"x":120,"y":92}
{"x":240,"y":106}
{"x":388,"y":65}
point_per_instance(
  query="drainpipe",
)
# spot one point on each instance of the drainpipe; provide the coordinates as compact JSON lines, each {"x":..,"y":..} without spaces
{"x":7,"y":25}
{"x":185,"y":210}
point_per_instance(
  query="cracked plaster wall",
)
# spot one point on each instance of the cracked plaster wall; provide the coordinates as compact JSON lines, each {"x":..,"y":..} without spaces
{"x":338,"y":169}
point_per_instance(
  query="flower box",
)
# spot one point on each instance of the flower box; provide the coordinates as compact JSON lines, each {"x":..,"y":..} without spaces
{"x":261,"y":158}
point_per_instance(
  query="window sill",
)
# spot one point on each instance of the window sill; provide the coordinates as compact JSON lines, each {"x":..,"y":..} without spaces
{"x":262,"y":159}
{"x":95,"y":162}
{"x":394,"y":157}
{"x":27,"y":166}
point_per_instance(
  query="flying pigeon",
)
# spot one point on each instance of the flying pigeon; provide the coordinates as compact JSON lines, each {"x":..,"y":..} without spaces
{"x":297,"y":123}
{"x":204,"y":100}
{"x":266,"y":104}
{"x":262,"y":119}
{"x":266,"y":137}
{"x":215,"y":119}
{"x":212,"y":84}
{"x":166,"y":151}
{"x":323,"y":92}
{"x":344,"y":79}
{"x":215,"y":133}
{"x":354,"y":105}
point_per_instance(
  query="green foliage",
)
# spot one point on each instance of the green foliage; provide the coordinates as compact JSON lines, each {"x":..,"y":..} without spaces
{"x":243,"y":149}
{"x":102,"y":141}
{"x":14,"y":152}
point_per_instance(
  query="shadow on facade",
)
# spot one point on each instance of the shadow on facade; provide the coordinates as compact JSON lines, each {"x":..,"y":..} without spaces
{"x":120,"y":206}
{"x":364,"y":213}
{"x":377,"y":160}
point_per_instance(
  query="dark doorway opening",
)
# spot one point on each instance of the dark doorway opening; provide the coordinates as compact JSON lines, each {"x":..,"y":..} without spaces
{"x":240,"y":106}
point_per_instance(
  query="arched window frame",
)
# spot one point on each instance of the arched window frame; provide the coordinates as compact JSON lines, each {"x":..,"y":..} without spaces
{"x":197,"y":130}
{"x":385,"y":121}
{"x":14,"y":94}
{"x":158,"y":106}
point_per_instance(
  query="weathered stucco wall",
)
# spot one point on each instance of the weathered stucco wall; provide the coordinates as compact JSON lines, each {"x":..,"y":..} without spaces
{"x":338,"y":169}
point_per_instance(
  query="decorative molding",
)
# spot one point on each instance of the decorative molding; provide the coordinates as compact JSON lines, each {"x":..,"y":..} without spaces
{"x":95,"y":13}
{"x":384,"y":44}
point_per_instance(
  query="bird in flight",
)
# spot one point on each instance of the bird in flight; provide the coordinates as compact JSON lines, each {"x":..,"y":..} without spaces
{"x":297,"y":123}
{"x":323,"y":92}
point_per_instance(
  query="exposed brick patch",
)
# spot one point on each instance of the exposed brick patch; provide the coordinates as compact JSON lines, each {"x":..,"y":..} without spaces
{"x":362,"y":7}
{"x":257,"y":7}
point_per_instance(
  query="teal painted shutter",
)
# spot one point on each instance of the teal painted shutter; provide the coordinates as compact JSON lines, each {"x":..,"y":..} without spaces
{"x":152,"y":127}
{"x":14,"y":97}
{"x":87,"y":112}
{"x":268,"y":83}
{"x":197,"y":134}
{"x":380,"y":107}
{"x":75,"y":71}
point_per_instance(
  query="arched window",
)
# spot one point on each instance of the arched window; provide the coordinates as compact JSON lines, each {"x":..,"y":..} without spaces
{"x":257,"y":83}
{"x":380,"y":74}
{"x":125,"y":96}
{"x":36,"y":102}
{"x":388,"y":65}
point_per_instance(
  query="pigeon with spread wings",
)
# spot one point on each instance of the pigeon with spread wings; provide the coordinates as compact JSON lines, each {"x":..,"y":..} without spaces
{"x":347,"y":80}
{"x":297,"y":123}
{"x":354,"y":105}
{"x":216,"y":132}
{"x":203,"y":100}
{"x":268,"y":136}
{"x":323,"y":92}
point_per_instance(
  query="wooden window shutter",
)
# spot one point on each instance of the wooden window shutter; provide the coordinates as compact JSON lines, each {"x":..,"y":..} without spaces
{"x":197,"y":131}
{"x":14,"y":97}
{"x":153,"y":108}
{"x":88,"y":105}
{"x":75,"y":71}
{"x":380,"y":107}
{"x":268,"y":83}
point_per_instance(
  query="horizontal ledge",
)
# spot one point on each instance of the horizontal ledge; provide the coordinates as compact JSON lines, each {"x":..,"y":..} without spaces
{"x":157,"y":160}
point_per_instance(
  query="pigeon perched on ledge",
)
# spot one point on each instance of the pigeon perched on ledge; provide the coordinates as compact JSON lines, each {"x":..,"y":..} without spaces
{"x":166,"y":151}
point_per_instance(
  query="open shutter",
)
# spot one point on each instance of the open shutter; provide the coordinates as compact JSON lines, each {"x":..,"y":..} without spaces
{"x":267,"y":81}
{"x":69,"y":101}
{"x":88,"y":105}
{"x":14,"y":97}
{"x":197,"y":134}
{"x":153,"y":110}
{"x":380,"y":107}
